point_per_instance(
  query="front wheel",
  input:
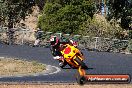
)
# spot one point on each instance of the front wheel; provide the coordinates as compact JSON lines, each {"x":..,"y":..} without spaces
{"x":81,"y":63}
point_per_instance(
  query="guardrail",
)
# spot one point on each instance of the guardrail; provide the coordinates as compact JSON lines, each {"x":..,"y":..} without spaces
{"x":26,"y":36}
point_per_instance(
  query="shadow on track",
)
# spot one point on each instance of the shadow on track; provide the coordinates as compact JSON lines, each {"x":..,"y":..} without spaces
{"x":76,"y":68}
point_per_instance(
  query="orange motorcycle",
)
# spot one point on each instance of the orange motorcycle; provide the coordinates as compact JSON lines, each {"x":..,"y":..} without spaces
{"x":73,"y":57}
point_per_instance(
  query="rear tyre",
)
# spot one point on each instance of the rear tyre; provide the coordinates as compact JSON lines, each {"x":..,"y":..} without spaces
{"x":81,"y":63}
{"x":81,"y":80}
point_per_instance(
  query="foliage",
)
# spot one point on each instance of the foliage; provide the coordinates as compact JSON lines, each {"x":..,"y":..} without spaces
{"x":130,"y":45}
{"x":99,"y":27}
{"x":121,"y":10}
{"x":12,"y":11}
{"x":65,"y":15}
{"x":130,"y":34}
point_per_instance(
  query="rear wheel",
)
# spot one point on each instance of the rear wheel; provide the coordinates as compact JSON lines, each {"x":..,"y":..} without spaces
{"x":81,"y":79}
{"x":81,"y":63}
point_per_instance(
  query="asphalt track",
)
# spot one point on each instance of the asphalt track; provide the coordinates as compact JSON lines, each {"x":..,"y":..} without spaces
{"x":98,"y":63}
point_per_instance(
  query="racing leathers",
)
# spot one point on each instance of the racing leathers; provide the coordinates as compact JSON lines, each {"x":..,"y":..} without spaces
{"x":58,"y":47}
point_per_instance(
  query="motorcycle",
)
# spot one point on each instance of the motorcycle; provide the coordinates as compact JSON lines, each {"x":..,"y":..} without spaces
{"x":72,"y":56}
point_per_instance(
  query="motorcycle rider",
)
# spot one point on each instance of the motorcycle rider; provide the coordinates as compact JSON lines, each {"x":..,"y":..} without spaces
{"x":57,"y":45}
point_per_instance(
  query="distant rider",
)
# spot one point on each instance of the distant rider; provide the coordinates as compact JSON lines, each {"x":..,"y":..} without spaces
{"x":38,"y":35}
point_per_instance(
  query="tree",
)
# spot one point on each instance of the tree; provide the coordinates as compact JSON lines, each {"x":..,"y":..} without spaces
{"x":101,"y":7}
{"x":12,"y":11}
{"x":121,"y":10}
{"x":66,"y":15}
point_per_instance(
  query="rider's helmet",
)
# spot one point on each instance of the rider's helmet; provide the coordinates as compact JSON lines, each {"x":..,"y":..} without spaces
{"x":54,"y":40}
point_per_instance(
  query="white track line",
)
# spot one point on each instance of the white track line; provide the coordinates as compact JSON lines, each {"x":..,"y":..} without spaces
{"x":57,"y":70}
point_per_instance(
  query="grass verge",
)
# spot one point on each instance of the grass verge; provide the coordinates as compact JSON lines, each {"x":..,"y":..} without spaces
{"x":12,"y":67}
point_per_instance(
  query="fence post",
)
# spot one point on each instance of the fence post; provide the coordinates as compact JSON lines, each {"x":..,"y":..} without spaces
{"x":23,"y":34}
{"x":22,"y":37}
{"x":60,"y":34}
{"x":96,"y":40}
